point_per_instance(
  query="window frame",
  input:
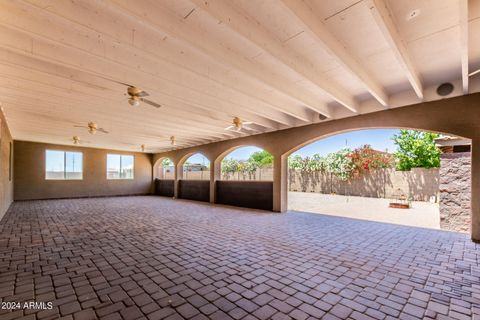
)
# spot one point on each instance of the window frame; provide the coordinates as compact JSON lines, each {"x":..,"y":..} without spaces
{"x":120,"y":167}
{"x":64,"y":166}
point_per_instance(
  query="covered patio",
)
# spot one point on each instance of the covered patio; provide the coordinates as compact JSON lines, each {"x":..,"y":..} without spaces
{"x":96,"y":96}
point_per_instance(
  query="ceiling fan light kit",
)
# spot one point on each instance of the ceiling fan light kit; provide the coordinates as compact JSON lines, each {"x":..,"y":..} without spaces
{"x":238,"y":125}
{"x":134,"y":102}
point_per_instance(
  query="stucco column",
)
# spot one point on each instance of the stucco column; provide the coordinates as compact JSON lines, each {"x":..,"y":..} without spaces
{"x":280,"y":182}
{"x":177,"y":176}
{"x":475,"y":200}
{"x":215,"y":174}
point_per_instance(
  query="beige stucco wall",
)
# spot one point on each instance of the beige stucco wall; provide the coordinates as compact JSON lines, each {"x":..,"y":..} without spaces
{"x":6,"y":179}
{"x":30,"y":183}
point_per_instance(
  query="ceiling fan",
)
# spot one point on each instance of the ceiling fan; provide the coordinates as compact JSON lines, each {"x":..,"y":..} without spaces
{"x":239,"y":125}
{"x":173,"y":141}
{"x":93,"y":128}
{"x":136,"y":95}
{"x":76,"y":141}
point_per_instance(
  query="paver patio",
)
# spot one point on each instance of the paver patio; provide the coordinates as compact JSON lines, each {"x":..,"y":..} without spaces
{"x":156,"y":258}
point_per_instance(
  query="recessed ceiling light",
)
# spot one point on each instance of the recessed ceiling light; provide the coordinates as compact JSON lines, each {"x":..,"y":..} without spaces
{"x":413,"y":14}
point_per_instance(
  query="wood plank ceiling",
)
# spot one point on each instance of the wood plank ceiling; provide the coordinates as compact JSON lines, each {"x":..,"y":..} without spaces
{"x":276,"y":63}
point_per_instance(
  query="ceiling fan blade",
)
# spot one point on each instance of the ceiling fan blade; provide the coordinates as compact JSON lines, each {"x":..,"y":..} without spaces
{"x":153,"y":104}
{"x":229,"y":128}
{"x":119,"y":82}
{"x":102,"y":130}
{"x":247,"y":122}
{"x":81,"y":127}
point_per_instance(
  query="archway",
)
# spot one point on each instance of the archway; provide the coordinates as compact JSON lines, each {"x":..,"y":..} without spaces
{"x":247,"y":163}
{"x":359,"y":173}
{"x":164,"y":177}
{"x":193,"y":174}
{"x":164,"y":168}
{"x":244,"y":178}
{"x":196,"y":167}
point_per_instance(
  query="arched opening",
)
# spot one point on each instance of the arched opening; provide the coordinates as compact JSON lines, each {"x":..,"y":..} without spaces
{"x":194,"y":177}
{"x":164,"y":168}
{"x":408,"y":177}
{"x":245,"y":178}
{"x":196,"y":167}
{"x":247,"y":163}
{"x":164,"y":175}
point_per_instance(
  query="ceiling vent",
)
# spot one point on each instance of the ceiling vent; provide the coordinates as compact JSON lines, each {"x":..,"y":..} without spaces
{"x":322,"y":117}
{"x":445,"y":89}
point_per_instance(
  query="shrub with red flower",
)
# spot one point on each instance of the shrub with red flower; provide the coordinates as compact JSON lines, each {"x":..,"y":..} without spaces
{"x":365,"y":159}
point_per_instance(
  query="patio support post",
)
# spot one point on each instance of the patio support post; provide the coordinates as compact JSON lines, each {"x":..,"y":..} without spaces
{"x":475,"y":192}
{"x":280,"y":177}
{"x":178,"y":174}
{"x":215,"y":174}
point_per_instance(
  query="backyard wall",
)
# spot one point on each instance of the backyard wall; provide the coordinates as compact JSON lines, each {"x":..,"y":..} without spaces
{"x":455,"y":186}
{"x":418,"y":183}
{"x":6,"y":174}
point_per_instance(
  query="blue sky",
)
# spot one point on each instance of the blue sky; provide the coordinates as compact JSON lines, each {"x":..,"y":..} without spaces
{"x":379,"y":139}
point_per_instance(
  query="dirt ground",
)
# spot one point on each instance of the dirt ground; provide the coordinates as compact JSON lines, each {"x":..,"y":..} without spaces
{"x":421,"y":214}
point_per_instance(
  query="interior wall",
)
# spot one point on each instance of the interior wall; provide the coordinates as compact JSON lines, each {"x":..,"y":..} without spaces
{"x":6,"y":174}
{"x":30,"y":182}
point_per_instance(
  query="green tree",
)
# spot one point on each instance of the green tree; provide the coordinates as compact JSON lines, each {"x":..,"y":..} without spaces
{"x":229,"y":166}
{"x":261,"y":158}
{"x":416,"y":149}
{"x":167,"y":162}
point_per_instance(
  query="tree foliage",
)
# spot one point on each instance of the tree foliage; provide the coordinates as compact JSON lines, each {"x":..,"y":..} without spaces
{"x":416,"y":149}
{"x":340,"y":164}
{"x":365,"y":159}
{"x":261,"y":158}
{"x":345,"y":163}
{"x":167,"y":162}
{"x":258,"y":160}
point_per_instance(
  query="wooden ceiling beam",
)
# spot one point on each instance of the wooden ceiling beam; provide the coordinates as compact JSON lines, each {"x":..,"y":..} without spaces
{"x":256,"y":34}
{"x":464,"y":43}
{"x":384,"y":21}
{"x":334,"y":48}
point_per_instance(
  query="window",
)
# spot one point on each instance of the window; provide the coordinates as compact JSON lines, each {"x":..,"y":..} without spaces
{"x":63,"y":165}
{"x":119,"y":166}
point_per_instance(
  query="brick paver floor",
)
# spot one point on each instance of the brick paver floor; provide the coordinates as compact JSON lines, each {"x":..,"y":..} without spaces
{"x":156,"y":258}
